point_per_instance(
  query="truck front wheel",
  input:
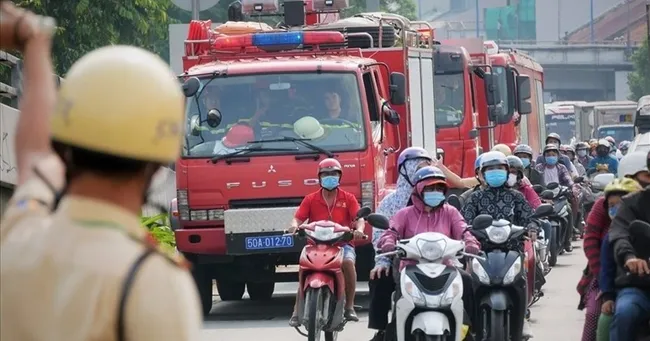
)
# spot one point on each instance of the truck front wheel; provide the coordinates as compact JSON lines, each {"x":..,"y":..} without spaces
{"x":230,"y":290}
{"x":260,"y":291}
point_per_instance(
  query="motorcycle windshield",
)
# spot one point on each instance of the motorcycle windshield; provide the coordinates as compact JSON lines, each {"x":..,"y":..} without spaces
{"x":497,"y":263}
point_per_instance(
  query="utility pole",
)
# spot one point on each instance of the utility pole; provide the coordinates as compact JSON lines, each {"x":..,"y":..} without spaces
{"x":647,"y":20}
{"x":478,"y":26}
{"x":372,"y":5}
{"x":591,"y":21}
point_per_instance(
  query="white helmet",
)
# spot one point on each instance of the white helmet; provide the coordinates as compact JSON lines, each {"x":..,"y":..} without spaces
{"x":308,"y":128}
{"x":493,"y":158}
{"x":632,"y":164}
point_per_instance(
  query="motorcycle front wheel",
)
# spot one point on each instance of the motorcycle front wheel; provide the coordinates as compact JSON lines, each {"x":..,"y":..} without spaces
{"x":499,"y":329}
{"x":553,"y":249}
{"x":314,"y":304}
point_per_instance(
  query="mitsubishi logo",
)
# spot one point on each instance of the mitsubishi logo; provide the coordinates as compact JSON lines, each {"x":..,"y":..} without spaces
{"x":271,"y":169}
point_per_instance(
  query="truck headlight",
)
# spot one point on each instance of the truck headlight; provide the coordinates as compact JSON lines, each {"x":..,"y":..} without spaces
{"x":367,"y":194}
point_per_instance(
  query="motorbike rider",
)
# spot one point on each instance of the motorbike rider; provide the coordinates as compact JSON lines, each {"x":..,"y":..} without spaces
{"x":570,"y":152}
{"x":498,"y":200}
{"x":516,"y":180}
{"x":551,"y":169}
{"x":381,"y":282}
{"x":603,"y":162}
{"x":334,"y":204}
{"x":503,"y":148}
{"x":479,"y":178}
{"x":598,"y":223}
{"x":622,"y":149}
{"x":583,"y":157}
{"x":555,"y":139}
{"x":430,"y":213}
{"x":612,"y":146}
{"x":71,"y":238}
{"x":633,"y":273}
{"x":525,"y":153}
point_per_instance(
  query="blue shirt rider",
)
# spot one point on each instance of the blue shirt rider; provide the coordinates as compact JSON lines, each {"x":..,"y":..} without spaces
{"x":603,"y":162}
{"x":564,"y":160}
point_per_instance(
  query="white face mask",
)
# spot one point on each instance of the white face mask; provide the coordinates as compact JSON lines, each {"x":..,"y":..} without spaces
{"x":512,"y":179}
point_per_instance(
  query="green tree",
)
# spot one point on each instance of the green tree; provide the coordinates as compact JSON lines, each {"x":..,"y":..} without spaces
{"x":639,"y":80}
{"x":85,"y":25}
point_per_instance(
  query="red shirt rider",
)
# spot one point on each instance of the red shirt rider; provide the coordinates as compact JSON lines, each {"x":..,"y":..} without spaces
{"x":333,"y":204}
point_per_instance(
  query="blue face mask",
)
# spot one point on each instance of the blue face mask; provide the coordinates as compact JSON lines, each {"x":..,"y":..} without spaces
{"x":496,"y":177}
{"x":526,"y":162}
{"x":433,"y":199}
{"x":612,"y":211}
{"x":551,"y":160}
{"x":329,"y":182}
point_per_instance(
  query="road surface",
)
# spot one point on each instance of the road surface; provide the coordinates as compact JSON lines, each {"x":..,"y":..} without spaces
{"x":554,"y":317}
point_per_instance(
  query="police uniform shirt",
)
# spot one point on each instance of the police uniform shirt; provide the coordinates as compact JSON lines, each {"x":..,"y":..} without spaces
{"x":62,"y":274}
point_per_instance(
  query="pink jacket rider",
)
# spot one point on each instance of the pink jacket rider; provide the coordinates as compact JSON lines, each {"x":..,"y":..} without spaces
{"x":413,"y":220}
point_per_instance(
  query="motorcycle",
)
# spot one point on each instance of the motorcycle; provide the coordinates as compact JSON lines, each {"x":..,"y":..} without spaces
{"x":579,"y":216}
{"x":427,"y":304}
{"x":560,"y":220}
{"x":321,"y":286}
{"x":502,"y":292}
{"x":539,"y":260}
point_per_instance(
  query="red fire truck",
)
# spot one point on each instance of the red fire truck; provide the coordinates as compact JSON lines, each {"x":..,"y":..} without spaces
{"x":518,"y":127}
{"x":236,"y":196}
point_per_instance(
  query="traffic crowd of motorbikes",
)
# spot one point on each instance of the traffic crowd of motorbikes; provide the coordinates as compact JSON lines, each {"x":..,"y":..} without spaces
{"x":468,"y":267}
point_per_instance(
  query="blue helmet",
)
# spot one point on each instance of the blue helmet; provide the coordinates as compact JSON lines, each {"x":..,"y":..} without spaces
{"x":477,"y":163}
{"x":412,"y":153}
{"x":429,"y":172}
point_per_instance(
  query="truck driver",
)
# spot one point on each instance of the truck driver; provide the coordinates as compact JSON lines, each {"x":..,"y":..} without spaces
{"x":333,"y":204}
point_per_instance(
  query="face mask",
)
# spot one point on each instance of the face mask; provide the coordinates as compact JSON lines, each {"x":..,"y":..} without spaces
{"x":526,"y":162}
{"x":433,"y":198}
{"x":612,"y":211}
{"x":551,"y":160}
{"x":329,"y":182}
{"x":512,"y":179}
{"x":496,"y":177}
{"x":582,"y":153}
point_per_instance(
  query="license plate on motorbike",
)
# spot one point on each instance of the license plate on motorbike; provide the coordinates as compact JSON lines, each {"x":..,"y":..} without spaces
{"x":268,"y":242}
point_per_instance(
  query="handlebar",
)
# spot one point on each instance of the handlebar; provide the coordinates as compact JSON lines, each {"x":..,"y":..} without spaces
{"x":300,"y":232}
{"x":388,"y":254}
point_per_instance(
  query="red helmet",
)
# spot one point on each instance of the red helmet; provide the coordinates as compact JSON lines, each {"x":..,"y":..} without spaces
{"x":238,"y":135}
{"x":329,"y":165}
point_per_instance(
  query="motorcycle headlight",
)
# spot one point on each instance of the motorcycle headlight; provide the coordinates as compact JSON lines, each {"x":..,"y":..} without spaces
{"x":431,"y":250}
{"x":498,"y":234}
{"x":411,"y":290}
{"x":323,"y":233}
{"x":480,"y":272}
{"x":514,"y":270}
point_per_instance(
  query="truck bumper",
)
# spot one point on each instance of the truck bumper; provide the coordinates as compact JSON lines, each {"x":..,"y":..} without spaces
{"x":203,"y":241}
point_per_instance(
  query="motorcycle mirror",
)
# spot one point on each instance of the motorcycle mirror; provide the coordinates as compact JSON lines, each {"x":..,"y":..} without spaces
{"x":543,"y":210}
{"x":379,"y":221}
{"x":579,"y":180}
{"x":364,"y":212}
{"x":453,"y":200}
{"x":552,"y":185}
{"x":481,"y":222}
{"x":538,"y":188}
{"x":547,"y":195}
{"x":601,"y":180}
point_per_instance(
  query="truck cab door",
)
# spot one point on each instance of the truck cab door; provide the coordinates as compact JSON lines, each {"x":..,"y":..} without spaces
{"x":422,"y":123}
{"x":378,"y":138}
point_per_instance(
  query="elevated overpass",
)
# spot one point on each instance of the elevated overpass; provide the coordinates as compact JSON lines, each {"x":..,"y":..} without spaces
{"x":581,"y":71}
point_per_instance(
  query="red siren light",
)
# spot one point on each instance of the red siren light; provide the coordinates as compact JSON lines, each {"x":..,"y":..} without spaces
{"x":278,"y":40}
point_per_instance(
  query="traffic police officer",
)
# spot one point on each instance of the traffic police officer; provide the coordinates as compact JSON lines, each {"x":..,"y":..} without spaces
{"x":83,"y":268}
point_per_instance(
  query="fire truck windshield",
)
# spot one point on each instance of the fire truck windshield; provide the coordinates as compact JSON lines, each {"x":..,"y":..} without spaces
{"x":449,"y":99}
{"x":501,"y":74}
{"x":283,"y":108}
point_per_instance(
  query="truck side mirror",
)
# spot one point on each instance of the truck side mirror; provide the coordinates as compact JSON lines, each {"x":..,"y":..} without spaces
{"x":523,"y":95}
{"x":397,"y":88}
{"x":195,"y":125}
{"x":492,"y":91}
{"x":191,"y":86}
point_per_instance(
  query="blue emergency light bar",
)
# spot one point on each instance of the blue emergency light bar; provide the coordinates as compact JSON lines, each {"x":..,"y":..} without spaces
{"x":278,"y":38}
